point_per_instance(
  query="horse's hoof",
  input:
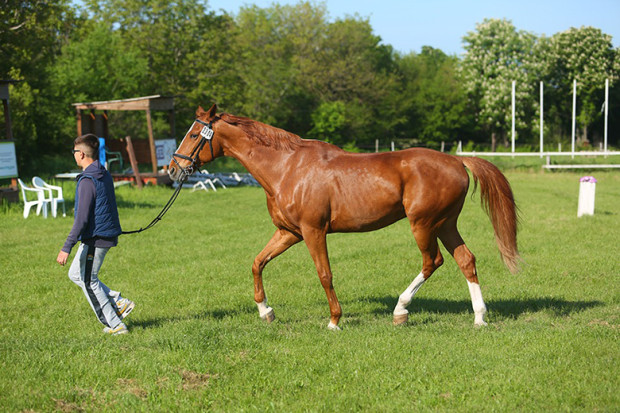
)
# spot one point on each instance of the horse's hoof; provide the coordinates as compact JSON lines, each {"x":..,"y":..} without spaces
{"x":333,"y":327}
{"x":270,"y":316}
{"x":400,"y":319}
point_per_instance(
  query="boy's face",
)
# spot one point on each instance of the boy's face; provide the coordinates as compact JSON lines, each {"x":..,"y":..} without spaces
{"x":78,"y":155}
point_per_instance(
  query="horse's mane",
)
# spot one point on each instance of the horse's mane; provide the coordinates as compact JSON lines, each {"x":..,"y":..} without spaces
{"x":264,"y":134}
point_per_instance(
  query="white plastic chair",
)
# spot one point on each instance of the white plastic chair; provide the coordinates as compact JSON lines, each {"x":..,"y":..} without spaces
{"x":53,"y":200}
{"x":39,"y":202}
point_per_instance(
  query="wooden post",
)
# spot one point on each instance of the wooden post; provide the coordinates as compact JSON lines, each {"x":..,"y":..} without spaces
{"x":106,"y":132}
{"x":7,"y":119}
{"x":134,"y":163}
{"x":172,"y":125}
{"x":79,"y":122}
{"x":149,"y":124}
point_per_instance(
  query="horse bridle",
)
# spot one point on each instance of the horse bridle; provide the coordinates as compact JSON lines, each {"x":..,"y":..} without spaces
{"x":206,"y":135}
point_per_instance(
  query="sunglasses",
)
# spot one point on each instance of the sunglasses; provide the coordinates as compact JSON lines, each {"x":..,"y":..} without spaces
{"x":75,"y":151}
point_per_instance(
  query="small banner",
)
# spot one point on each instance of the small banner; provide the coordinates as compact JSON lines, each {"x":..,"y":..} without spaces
{"x":8,"y":160}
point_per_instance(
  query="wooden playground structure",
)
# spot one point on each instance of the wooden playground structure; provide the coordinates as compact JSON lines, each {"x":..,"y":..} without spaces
{"x":92,"y":117}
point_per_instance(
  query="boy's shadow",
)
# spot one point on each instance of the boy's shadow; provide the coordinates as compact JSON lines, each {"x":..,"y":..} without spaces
{"x":217,"y":314}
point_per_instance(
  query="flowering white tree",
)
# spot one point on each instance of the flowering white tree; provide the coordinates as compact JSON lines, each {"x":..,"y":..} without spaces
{"x":587,"y":55}
{"x":496,"y":55}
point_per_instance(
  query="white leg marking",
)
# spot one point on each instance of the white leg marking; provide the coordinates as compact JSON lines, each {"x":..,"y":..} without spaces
{"x":406,"y":297}
{"x":477,"y":303}
{"x":333,"y":326}
{"x":263,"y":309}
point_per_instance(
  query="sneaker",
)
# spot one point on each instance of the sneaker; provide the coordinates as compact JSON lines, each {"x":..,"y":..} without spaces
{"x":125,"y":307}
{"x":120,"y":329}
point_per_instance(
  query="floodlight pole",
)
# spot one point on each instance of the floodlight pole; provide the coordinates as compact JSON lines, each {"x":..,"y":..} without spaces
{"x":513,"y":115}
{"x":541,"y":119}
{"x":574,"y":114}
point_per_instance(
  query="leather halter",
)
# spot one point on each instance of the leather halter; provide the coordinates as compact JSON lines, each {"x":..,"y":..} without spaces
{"x":206,"y":135}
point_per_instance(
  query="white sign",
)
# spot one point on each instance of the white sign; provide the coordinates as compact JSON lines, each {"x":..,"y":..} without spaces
{"x":8,"y":160}
{"x":164,"y":148}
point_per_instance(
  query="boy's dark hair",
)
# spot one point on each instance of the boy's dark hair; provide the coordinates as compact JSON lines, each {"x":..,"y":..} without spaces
{"x":90,"y":144}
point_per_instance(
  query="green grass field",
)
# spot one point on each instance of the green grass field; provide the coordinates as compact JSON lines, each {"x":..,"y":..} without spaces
{"x":197,"y":343}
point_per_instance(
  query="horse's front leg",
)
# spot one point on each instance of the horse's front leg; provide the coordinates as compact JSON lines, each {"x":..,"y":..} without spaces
{"x":280,"y":242}
{"x":317,"y":245}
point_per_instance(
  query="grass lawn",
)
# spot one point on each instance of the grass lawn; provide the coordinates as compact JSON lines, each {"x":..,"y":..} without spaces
{"x":197,"y":343}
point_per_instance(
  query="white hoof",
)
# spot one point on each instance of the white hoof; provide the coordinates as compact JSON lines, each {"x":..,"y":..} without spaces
{"x":333,"y":327}
{"x":479,"y":320}
{"x":266,"y":312}
{"x":269,"y":316}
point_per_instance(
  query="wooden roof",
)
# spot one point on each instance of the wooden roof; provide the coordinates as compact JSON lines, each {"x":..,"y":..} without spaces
{"x":155,"y":102}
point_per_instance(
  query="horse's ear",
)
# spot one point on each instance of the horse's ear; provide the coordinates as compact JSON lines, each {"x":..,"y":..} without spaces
{"x":212,"y":112}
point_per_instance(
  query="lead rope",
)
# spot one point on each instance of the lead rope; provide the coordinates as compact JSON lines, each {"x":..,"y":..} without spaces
{"x":165,"y":208}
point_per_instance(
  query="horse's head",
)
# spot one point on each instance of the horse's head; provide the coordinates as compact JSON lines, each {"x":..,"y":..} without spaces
{"x":197,"y":147}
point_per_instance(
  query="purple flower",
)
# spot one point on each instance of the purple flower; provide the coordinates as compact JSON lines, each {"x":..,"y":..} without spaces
{"x":588,"y":179}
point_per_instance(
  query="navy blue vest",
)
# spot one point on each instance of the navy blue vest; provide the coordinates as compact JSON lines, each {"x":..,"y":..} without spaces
{"x":105,"y":223}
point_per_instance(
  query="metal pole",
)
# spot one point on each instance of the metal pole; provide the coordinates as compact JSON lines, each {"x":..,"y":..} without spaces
{"x":606,"y":112}
{"x":513,"y":115}
{"x":541,"y":119}
{"x":574,"y":114}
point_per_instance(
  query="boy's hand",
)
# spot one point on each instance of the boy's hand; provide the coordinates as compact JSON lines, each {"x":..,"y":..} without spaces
{"x":62,"y":258}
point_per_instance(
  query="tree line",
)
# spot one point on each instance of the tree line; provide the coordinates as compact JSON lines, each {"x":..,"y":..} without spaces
{"x":294,"y":67}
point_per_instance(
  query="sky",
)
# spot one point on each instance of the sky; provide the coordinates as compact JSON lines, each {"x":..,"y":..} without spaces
{"x":407,"y":25}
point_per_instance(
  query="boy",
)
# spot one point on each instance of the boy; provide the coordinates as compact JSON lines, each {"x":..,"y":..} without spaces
{"x":97,"y":226}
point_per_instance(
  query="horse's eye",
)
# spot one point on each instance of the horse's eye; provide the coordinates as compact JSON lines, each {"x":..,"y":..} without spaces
{"x":193,"y":136}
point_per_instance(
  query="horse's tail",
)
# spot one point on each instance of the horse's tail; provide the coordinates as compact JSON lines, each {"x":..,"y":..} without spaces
{"x":498,"y":201}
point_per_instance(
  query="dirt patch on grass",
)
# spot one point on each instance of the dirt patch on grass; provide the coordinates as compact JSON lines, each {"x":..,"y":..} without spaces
{"x":131,"y":386}
{"x":65,"y":406}
{"x":192,"y":380}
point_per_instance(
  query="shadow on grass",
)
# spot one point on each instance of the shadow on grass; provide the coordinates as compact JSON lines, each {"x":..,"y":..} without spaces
{"x":508,"y":308}
{"x":217,"y":314}
{"x":121,"y":203}
{"x":511,"y":308}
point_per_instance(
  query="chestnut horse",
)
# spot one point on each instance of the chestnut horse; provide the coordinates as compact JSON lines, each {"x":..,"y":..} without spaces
{"x":314,"y":188}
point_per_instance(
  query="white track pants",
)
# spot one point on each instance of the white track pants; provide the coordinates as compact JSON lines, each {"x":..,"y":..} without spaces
{"x":84,"y":272}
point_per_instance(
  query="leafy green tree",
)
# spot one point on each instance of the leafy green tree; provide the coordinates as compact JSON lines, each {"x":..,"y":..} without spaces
{"x":273,"y":45}
{"x":433,"y":100}
{"x":181,"y":42}
{"x":328,"y":122}
{"x":31,"y":34}
{"x":350,"y":65}
{"x":98,"y":64}
{"x":497,"y":54}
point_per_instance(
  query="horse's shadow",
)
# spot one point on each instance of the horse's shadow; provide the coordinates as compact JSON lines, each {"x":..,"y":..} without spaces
{"x":502,"y":308}
{"x":505,"y":308}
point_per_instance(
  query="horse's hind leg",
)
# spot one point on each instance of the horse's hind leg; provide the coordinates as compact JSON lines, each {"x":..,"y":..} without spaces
{"x":280,"y":242}
{"x":431,"y":260}
{"x":466,"y":261}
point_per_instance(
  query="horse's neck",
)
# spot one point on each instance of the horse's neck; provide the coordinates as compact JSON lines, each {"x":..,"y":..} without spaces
{"x":265,"y":163}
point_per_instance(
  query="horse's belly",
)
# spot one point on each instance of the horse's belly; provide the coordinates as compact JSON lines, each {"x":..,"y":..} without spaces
{"x":365,"y":217}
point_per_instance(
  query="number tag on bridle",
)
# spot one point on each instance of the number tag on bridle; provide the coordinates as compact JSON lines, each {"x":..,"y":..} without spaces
{"x":206,"y":133}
